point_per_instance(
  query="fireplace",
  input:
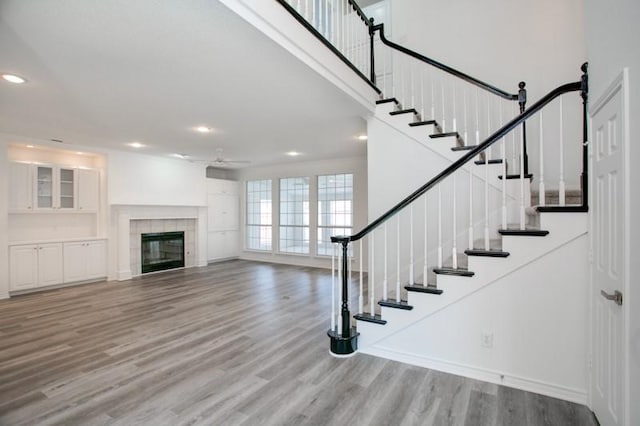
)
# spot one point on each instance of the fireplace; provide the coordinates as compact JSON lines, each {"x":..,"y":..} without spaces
{"x":161,"y":251}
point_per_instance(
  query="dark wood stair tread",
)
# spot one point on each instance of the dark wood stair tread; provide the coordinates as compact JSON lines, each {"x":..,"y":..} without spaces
{"x":486,"y":253}
{"x":390,"y":303}
{"x":404,"y":111}
{"x":387,"y":100}
{"x":524,"y":232}
{"x":463,"y":148}
{"x":367,"y":317}
{"x":517,"y":176}
{"x":492,"y":161}
{"x":419,"y":288}
{"x":451,"y":271}
{"x":562,"y":209}
{"x":424,"y":123}
{"x":445,"y":135}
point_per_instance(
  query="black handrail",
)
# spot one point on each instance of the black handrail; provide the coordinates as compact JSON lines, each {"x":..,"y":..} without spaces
{"x":565,"y":88}
{"x":445,"y":68}
{"x":328,"y":44}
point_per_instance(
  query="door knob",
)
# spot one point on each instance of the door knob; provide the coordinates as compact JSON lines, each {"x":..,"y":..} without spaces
{"x":616,"y":296}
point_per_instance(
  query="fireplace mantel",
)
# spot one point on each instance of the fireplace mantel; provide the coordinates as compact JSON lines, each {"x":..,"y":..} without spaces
{"x":121,"y":217}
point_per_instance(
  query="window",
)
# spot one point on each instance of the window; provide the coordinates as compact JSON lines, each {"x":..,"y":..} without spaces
{"x":335,"y":209}
{"x":294,"y":215}
{"x":259,"y":214}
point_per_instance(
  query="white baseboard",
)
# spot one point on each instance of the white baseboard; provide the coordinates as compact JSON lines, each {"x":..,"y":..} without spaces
{"x":578,"y":396}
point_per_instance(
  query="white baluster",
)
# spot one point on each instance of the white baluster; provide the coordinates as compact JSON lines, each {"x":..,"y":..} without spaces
{"x":398,"y":258}
{"x":412,"y":87}
{"x":454,"y":249}
{"x":471,"y":233}
{"x":477,"y":117}
{"x":361,"y":295}
{"x":320,"y":18}
{"x":433,"y":95}
{"x":393,"y":74}
{"x":444,"y":126}
{"x":487,"y":244}
{"x":385,"y":290}
{"x":542,"y":197}
{"x":425,"y":271}
{"x":333,"y":287}
{"x":384,"y":70}
{"x":439,"y":227}
{"x":503,"y":155}
{"x":465,"y":136}
{"x":514,"y":148}
{"x":453,"y":100}
{"x":372,"y":281}
{"x":411,"y":279}
{"x":522,"y":210}
{"x":561,"y":187}
{"x":422,"y":116}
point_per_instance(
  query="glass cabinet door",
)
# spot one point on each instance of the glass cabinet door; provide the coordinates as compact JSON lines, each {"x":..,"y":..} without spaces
{"x":44,"y":187}
{"x":66,"y":188}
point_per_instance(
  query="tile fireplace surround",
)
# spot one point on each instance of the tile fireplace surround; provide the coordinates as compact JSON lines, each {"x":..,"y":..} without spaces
{"x":132,"y":221}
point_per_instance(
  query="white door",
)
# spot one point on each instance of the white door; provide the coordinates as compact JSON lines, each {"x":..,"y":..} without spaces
{"x":20,"y":187}
{"x":75,"y":262}
{"x":608,"y":269}
{"x":96,"y":252}
{"x":23,"y":267}
{"x":49,"y":264}
{"x":88,"y":190}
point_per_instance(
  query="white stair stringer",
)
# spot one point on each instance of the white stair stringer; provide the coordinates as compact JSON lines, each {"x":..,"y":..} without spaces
{"x":442,"y":148}
{"x":562,"y":227}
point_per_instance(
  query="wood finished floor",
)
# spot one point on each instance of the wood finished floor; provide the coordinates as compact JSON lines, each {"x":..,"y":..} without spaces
{"x":235,"y":343}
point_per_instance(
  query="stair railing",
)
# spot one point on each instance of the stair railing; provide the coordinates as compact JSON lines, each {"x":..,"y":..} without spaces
{"x":419,"y":232}
{"x":453,"y":101}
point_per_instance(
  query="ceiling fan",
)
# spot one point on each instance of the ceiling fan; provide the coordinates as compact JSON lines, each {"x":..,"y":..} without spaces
{"x":219,"y":160}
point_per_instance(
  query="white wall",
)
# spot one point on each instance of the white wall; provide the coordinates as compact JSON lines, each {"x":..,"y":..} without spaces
{"x":357,"y":166}
{"x":4,"y":215}
{"x":138,"y":179}
{"x":612,"y":35}
{"x":538,"y":319}
{"x":278,"y":24}
{"x":503,"y":42}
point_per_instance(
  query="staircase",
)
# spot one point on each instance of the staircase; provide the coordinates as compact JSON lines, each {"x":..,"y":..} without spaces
{"x":490,"y":238}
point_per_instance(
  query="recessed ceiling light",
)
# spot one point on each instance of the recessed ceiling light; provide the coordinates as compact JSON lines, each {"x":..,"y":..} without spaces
{"x":293,"y":153}
{"x":183,"y":156}
{"x":203,"y":129}
{"x":79,"y":153}
{"x":29,"y":146}
{"x":363,"y":137}
{"x":12,"y":78}
{"x":136,"y":145}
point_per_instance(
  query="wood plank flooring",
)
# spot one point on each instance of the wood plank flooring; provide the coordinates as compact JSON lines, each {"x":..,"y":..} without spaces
{"x":235,"y":343}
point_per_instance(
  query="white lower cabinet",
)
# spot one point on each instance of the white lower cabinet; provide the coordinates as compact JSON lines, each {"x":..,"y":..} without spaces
{"x":35,"y":265}
{"x":84,"y":260}
{"x":223,"y":245}
{"x":39,"y":265}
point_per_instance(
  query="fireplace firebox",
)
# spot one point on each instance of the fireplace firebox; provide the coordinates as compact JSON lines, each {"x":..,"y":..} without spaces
{"x":162,"y":250}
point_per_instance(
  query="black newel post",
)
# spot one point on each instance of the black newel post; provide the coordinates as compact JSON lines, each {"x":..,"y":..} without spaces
{"x":522,"y":100}
{"x":346,"y":316}
{"x":372,"y":52}
{"x":584,"y":93}
{"x":345,"y":341}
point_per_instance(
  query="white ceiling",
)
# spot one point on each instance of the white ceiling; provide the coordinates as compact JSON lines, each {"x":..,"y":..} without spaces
{"x":104,"y":73}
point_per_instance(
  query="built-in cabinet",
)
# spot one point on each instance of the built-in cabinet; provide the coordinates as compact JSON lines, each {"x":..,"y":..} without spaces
{"x":50,"y":188}
{"x":85,"y":260}
{"x":35,"y":265}
{"x":223,"y":202}
{"x":40,"y":265}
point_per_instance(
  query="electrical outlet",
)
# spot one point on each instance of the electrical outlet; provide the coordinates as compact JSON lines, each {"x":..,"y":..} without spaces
{"x":487,"y":339}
